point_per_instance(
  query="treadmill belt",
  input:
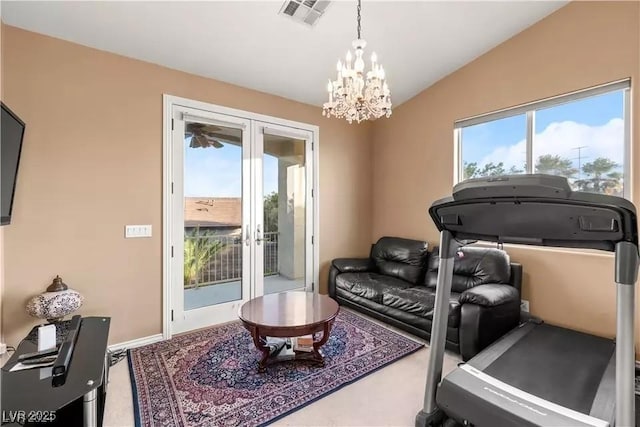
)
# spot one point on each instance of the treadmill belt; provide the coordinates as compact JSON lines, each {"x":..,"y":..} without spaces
{"x":556,"y":364}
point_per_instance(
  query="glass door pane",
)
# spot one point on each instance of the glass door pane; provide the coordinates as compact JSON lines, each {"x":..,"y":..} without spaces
{"x":213,"y":214}
{"x":284,"y":193}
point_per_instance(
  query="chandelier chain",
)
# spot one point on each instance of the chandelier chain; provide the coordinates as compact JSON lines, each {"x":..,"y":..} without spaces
{"x":359,"y":27}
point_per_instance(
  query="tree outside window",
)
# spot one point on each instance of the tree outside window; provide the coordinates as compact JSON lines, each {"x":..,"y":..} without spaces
{"x":582,"y":139}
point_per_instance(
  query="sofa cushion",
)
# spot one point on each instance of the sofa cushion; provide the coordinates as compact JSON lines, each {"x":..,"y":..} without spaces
{"x":420,"y":300}
{"x":401,"y":258}
{"x":371,"y":286}
{"x":353,"y":265}
{"x":422,"y":323}
{"x":472,"y":266}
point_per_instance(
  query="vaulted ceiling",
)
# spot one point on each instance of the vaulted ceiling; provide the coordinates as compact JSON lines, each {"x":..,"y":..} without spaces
{"x":249,"y":44}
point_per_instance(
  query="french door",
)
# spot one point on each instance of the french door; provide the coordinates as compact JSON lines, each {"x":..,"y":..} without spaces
{"x":242,"y":213}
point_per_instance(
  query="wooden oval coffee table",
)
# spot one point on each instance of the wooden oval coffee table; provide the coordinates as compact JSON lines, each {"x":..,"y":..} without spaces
{"x":288,"y":315}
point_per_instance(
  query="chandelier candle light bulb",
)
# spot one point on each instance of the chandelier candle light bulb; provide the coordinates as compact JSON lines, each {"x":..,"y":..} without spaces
{"x":356,"y":95}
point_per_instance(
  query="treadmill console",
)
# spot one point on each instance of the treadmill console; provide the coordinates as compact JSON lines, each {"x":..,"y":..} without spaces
{"x":517,"y":186}
{"x":535,"y":210}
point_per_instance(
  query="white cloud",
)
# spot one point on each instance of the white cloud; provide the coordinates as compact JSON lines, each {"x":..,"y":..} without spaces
{"x":561,"y":138}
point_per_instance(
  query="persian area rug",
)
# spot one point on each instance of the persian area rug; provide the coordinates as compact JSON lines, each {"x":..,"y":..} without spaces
{"x":209,"y":377}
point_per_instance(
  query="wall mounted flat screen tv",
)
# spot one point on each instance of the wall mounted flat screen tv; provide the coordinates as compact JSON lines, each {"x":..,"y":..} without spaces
{"x":11,"y":134}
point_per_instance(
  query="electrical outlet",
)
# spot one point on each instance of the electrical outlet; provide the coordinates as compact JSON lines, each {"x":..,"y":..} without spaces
{"x":524,"y":305}
{"x":3,"y":348}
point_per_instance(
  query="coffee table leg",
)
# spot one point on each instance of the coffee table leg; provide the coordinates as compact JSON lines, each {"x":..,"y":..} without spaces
{"x":259,"y":343}
{"x":317,"y":344}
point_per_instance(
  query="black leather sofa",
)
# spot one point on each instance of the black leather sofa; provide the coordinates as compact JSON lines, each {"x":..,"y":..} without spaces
{"x":397,"y":285}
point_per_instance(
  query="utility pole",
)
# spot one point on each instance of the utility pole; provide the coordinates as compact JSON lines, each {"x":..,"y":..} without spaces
{"x":579,"y":158}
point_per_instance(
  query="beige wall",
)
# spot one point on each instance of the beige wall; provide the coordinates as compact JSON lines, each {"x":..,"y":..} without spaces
{"x":92,"y":162}
{"x":581,"y":45}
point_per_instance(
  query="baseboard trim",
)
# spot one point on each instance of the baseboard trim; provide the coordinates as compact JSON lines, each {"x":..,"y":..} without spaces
{"x":139,"y":342}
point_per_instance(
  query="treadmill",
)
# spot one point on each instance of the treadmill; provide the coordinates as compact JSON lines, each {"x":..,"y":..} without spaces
{"x":537,"y":374}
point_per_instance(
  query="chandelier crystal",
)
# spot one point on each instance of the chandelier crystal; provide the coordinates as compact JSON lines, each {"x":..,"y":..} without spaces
{"x":355,"y":95}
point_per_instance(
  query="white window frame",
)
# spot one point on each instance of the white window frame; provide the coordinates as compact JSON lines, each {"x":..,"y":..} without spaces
{"x":529,"y":109}
{"x":168,"y":220}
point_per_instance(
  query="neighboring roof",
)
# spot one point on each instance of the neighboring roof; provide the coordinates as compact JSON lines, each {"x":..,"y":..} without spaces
{"x":212,"y":212}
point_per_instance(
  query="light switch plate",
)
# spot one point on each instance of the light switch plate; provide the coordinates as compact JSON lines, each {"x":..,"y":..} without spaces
{"x":135,"y":231}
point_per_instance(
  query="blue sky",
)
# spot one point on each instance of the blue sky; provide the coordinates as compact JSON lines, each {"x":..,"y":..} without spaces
{"x":217,"y":172}
{"x":595,"y":122}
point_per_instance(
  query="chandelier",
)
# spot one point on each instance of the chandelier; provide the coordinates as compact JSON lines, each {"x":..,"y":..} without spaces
{"x":355,"y":95}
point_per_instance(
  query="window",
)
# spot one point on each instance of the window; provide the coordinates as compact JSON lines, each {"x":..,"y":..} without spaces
{"x":495,"y":148}
{"x":584,"y":136}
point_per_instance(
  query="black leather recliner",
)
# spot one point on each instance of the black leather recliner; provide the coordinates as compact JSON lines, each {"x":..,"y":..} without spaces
{"x":397,"y":284}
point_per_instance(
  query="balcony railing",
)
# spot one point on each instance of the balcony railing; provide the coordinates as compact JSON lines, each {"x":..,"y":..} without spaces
{"x":226,"y":264}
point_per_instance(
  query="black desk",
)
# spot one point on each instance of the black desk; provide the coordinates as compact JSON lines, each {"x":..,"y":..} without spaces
{"x":79,"y":401}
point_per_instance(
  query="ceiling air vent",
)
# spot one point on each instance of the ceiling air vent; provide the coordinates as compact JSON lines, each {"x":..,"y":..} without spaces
{"x":304,"y":11}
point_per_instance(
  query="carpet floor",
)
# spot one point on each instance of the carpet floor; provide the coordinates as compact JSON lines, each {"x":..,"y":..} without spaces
{"x":209,"y":377}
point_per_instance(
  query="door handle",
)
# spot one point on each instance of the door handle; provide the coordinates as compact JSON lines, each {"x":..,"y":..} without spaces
{"x":258,"y":235}
{"x":247,"y":239}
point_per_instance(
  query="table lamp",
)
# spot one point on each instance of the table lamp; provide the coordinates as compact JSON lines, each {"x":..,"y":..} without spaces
{"x":57,"y":302}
